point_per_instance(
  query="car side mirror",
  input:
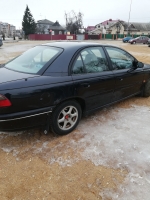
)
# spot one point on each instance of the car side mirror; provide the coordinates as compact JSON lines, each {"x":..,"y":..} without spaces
{"x":140,"y":65}
{"x":134,"y":66}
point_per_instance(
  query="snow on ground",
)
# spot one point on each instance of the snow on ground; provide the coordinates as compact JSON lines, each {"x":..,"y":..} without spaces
{"x":117,"y":138}
{"x":121,"y":140}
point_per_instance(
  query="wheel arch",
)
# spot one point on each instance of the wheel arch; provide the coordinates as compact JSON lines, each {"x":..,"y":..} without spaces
{"x":79,"y":100}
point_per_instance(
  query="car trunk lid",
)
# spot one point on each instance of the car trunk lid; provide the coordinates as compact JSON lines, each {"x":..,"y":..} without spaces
{"x":7,"y":75}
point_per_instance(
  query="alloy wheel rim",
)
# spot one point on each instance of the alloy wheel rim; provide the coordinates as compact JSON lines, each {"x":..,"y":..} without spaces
{"x":67,"y":118}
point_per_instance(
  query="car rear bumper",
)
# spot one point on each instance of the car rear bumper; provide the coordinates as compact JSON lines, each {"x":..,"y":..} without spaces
{"x":24,"y":120}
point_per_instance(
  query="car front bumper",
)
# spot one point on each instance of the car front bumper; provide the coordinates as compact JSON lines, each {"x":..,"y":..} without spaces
{"x":24,"y":120}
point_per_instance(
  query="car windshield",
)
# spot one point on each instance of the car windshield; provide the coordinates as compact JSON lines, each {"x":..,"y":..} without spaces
{"x":33,"y":60}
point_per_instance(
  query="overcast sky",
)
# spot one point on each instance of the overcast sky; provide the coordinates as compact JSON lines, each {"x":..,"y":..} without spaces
{"x":95,"y":11}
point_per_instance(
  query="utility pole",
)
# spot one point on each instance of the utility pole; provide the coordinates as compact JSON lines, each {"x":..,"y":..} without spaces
{"x":129,"y":17}
{"x":66,"y":19}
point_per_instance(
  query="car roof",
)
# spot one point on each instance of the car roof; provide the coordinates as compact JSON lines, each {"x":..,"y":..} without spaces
{"x":72,"y":45}
{"x":69,"y":50}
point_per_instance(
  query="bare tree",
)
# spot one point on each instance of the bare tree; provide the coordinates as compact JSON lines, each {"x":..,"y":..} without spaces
{"x":74,"y":22}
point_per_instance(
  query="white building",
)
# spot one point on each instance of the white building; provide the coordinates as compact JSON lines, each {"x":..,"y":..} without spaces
{"x":7,"y":29}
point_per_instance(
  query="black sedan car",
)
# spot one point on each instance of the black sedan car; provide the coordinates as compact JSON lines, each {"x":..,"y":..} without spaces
{"x":53,"y":85}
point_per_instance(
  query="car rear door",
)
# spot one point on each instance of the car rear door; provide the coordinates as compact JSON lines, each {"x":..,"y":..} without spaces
{"x":127,"y":81}
{"x":94,"y":81}
{"x":145,"y":39}
{"x":139,"y":40}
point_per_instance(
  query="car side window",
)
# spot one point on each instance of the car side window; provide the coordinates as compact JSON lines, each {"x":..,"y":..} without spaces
{"x":94,"y":60}
{"x":78,"y":67}
{"x":120,"y":59}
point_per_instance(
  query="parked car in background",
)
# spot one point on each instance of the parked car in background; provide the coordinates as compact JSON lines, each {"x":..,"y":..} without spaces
{"x":140,"y":39}
{"x":126,"y":39}
{"x":1,"y":42}
{"x":54,"y":84}
{"x":148,"y":42}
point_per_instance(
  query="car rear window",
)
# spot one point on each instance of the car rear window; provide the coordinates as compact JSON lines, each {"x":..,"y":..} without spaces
{"x":33,"y":60}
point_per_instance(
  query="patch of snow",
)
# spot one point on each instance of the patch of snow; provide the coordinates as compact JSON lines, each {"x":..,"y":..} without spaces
{"x":121,"y":139}
{"x":12,"y":133}
{"x":115,"y":137}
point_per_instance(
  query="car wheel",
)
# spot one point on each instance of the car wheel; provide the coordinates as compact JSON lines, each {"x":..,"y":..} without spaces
{"x":134,"y":42}
{"x":148,"y":45}
{"x":146,"y":89}
{"x":65,"y":117}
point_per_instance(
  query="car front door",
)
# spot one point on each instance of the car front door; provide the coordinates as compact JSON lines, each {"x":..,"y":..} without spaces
{"x":127,"y":80}
{"x":94,"y":81}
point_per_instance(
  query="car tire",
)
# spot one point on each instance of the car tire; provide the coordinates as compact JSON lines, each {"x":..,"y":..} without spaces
{"x":146,"y":89}
{"x":66,"y":117}
{"x":134,"y":42}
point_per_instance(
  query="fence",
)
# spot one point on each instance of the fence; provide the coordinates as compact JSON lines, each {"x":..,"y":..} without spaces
{"x":113,"y":36}
{"x":94,"y":37}
{"x":74,"y":37}
{"x":51,"y":37}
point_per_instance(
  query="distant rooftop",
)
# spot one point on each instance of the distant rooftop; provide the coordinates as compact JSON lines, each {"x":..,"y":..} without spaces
{"x":45,"y":21}
{"x":108,"y":22}
{"x":57,"y":26}
{"x":90,"y":28}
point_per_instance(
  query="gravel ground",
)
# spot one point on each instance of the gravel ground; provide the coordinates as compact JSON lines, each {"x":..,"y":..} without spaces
{"x":107,"y":157}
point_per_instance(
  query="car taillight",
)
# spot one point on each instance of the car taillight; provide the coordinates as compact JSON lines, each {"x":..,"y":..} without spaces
{"x":4,"y":102}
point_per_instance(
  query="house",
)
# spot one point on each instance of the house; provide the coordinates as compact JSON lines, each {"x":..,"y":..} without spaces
{"x":103,"y":26}
{"x":106,"y":23}
{"x":132,"y":28}
{"x":89,"y":28}
{"x":57,"y":29}
{"x":137,"y":28}
{"x":121,"y":27}
{"x":117,"y":27}
{"x":45,"y":27}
